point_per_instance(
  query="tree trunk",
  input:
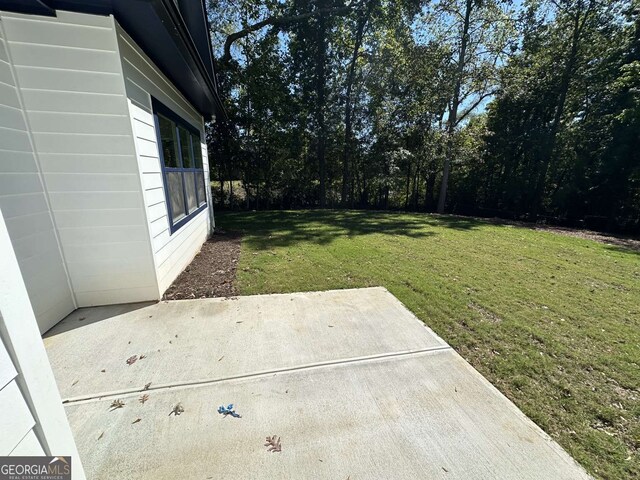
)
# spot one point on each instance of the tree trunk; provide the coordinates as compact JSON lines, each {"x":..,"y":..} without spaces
{"x":452,"y":121}
{"x":362,"y":22}
{"x":320,"y":84}
{"x":565,"y":84}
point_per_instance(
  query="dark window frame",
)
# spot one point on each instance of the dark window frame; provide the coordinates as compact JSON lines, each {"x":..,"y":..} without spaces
{"x":161,"y":109}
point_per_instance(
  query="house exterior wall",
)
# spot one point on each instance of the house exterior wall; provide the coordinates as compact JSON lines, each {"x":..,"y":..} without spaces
{"x":143,"y":80}
{"x":80,"y":181}
{"x":32,"y":418}
{"x":25,"y":203}
{"x":69,"y":75}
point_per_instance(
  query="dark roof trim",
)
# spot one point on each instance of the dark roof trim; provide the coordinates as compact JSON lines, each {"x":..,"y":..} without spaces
{"x":178,"y":21}
{"x":39,"y":7}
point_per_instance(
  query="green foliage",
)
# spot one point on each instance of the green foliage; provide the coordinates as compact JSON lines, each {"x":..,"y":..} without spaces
{"x":364,"y":103}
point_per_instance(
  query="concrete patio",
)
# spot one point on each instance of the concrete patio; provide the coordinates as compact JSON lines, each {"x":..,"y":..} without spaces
{"x":352,"y":382}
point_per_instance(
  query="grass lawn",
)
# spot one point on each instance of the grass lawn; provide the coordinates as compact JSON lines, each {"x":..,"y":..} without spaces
{"x":553,"y":321}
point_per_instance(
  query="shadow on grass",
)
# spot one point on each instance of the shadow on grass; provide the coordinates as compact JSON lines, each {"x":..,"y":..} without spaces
{"x":268,"y":229}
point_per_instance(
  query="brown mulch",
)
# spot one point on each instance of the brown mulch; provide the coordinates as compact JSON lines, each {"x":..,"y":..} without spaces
{"x":212,"y":273}
{"x":630,"y":243}
{"x":625,"y":242}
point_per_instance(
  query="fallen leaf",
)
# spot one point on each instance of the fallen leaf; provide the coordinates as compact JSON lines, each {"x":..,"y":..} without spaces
{"x":273,"y":444}
{"x":177,"y":410}
{"x":131,"y":360}
{"x":445,"y":469}
{"x":146,"y":386}
{"x":143,"y":398}
{"x":82,"y":318}
{"x":101,"y":435}
{"x":103,"y":370}
{"x":141,"y":357}
{"x":75,"y":383}
{"x":116,"y":404}
{"x":221,"y":358}
{"x":136,"y":421}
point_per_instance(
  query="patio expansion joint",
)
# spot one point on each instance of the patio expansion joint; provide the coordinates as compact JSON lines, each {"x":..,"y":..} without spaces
{"x":212,"y":381}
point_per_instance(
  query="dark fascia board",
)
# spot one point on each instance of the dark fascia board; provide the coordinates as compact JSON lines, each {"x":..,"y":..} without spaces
{"x":159,"y":29}
{"x":39,"y":7}
{"x":189,"y":44}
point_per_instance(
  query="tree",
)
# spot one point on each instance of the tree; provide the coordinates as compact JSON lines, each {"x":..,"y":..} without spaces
{"x":477,"y":34}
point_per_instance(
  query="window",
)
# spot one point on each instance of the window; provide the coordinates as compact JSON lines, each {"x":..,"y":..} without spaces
{"x":181,"y":159}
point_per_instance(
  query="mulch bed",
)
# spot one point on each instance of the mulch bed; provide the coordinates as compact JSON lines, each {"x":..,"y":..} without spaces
{"x":625,"y":242}
{"x":212,"y":272}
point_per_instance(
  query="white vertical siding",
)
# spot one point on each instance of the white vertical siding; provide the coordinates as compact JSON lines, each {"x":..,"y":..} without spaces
{"x":69,"y":74}
{"x":24,"y":203}
{"x":143,"y":80}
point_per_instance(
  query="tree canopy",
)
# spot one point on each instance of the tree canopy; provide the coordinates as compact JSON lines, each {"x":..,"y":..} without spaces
{"x":518,"y":109}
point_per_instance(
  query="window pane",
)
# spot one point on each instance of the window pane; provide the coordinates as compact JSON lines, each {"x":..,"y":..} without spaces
{"x":176,"y":195}
{"x":185,"y":146}
{"x":190,"y":183}
{"x":201,"y":191}
{"x":197,"y":151}
{"x":169,"y":143}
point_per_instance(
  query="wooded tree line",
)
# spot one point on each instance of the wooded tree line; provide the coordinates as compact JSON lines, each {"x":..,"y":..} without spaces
{"x":518,"y":109}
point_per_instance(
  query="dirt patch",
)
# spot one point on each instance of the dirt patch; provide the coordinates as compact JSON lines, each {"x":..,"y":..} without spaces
{"x":212,"y":272}
{"x":608,"y":239}
{"x":626,"y":242}
{"x":484,"y":313}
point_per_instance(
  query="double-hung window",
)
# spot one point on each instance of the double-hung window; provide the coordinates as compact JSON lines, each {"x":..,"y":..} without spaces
{"x":181,"y":159}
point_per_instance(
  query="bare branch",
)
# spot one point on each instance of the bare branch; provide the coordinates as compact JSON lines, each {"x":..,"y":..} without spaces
{"x":278,"y":21}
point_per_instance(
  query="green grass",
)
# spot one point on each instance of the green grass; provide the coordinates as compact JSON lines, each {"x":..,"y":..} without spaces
{"x":552,"y":321}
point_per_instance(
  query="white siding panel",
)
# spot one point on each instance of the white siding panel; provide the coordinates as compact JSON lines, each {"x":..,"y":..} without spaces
{"x":88,"y":236}
{"x":149,"y":164}
{"x":143,"y":80}
{"x":74,"y":143}
{"x":71,"y":102}
{"x":60,"y":122}
{"x":8,"y":94}
{"x":31,"y":78}
{"x":60,"y":57}
{"x":7,"y":369}
{"x":11,"y":117}
{"x":158,"y":226}
{"x":15,"y":418}
{"x":142,"y":115}
{"x":156,"y":211}
{"x":145,"y":131}
{"x":95,"y":200}
{"x":59,"y":33}
{"x":24,"y":204}
{"x":99,"y":218}
{"x":19,"y":183}
{"x":147,"y":148}
{"x":122,"y":295}
{"x":155,"y":196}
{"x":3,"y":50}
{"x":15,"y":140}
{"x":80,"y":182}
{"x":86,"y":163}
{"x":152,"y":180}
{"x":29,"y":446}
{"x":69,"y":73}
{"x":18,"y":162}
